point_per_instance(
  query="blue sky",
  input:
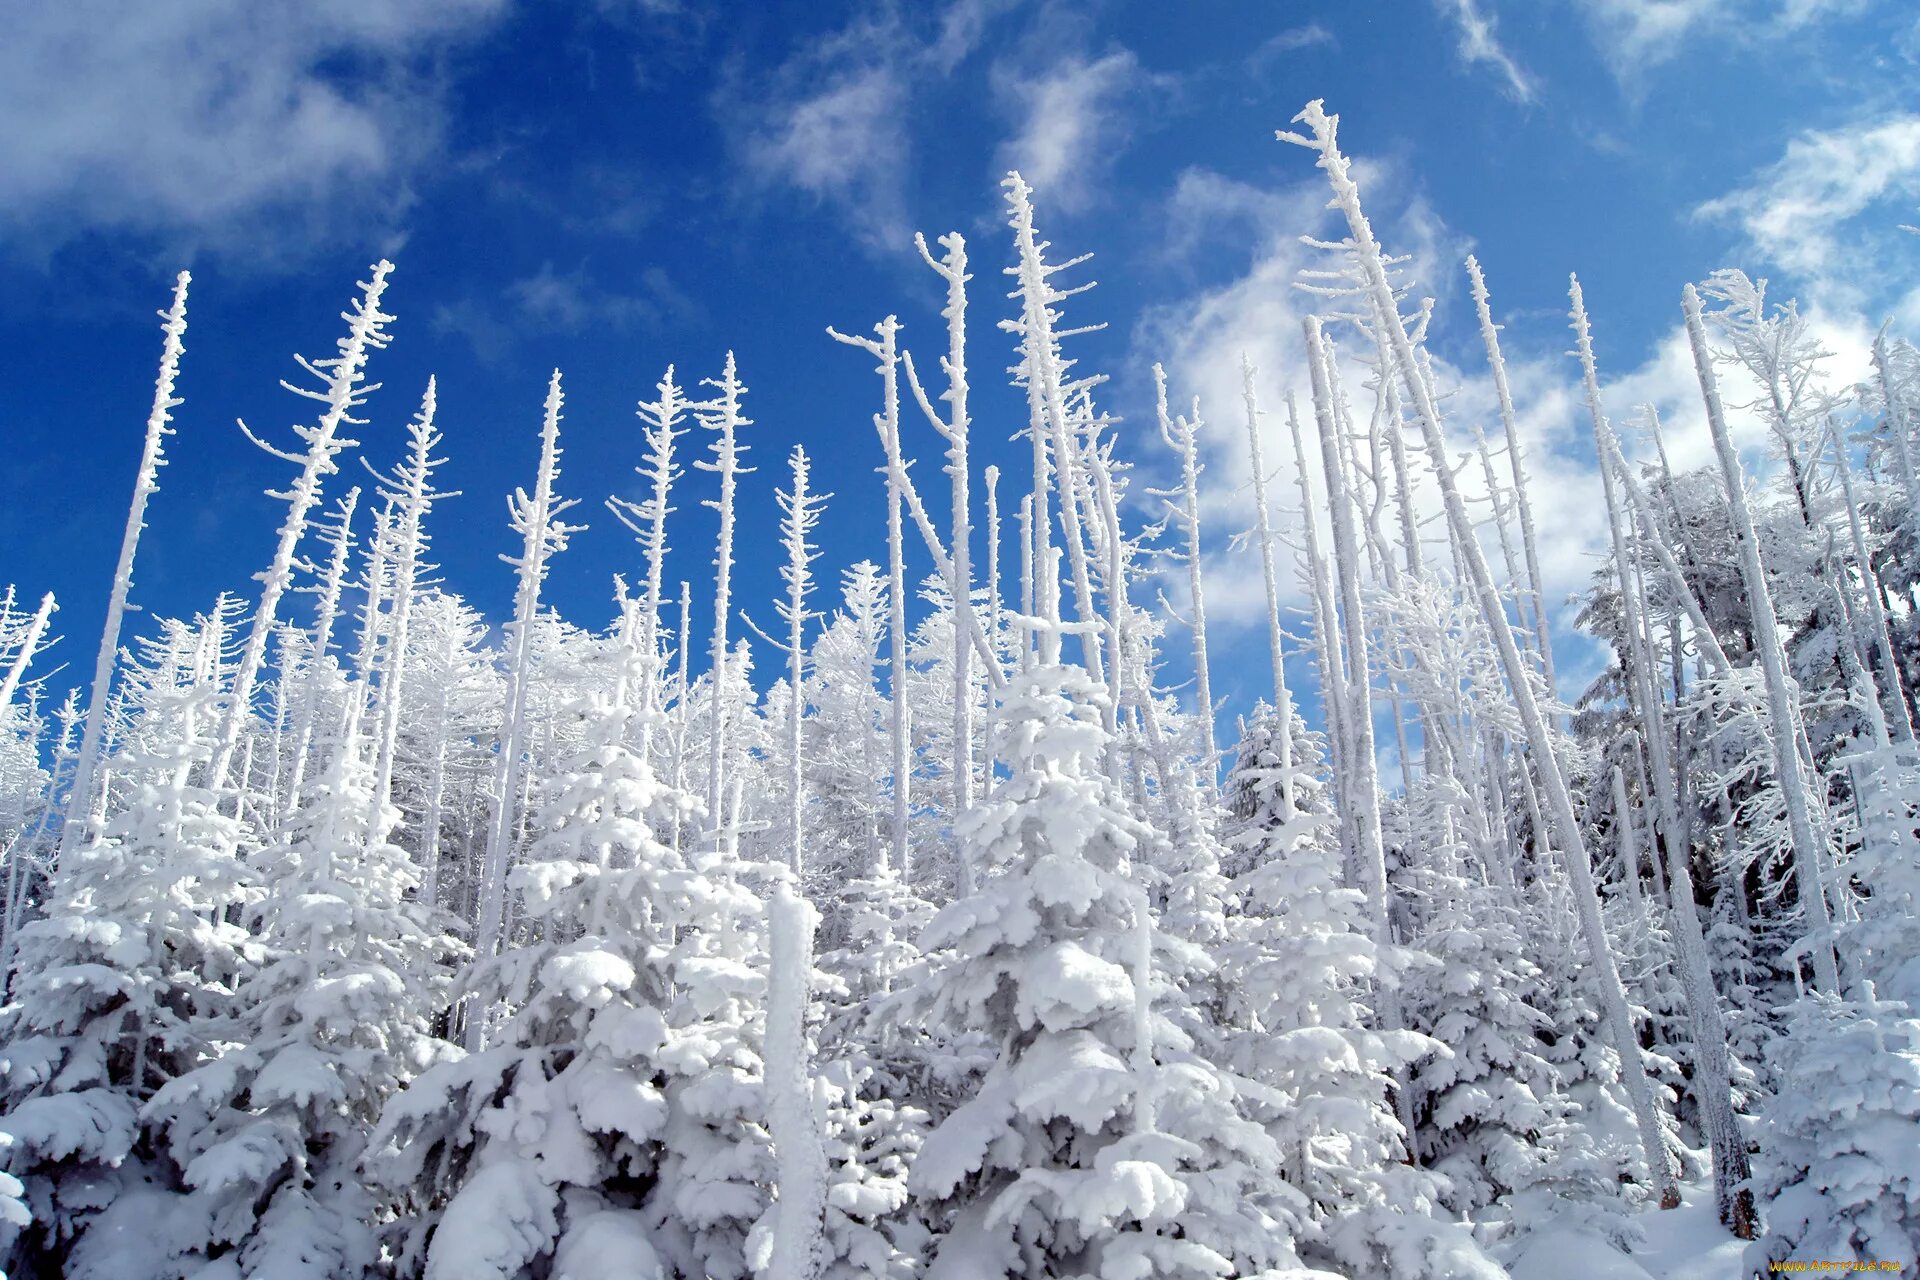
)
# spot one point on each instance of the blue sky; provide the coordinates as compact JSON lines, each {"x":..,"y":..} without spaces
{"x":613,"y":186}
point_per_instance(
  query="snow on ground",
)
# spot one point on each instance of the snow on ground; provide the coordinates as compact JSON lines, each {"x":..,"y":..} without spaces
{"x":1687,"y":1243}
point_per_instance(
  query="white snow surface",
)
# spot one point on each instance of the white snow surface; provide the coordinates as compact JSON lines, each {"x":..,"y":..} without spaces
{"x":1687,"y":1243}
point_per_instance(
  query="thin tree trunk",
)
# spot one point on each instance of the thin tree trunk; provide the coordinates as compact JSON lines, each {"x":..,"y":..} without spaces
{"x":1529,"y":536}
{"x":146,"y":480}
{"x":1263,"y":534}
{"x":542,"y":533}
{"x":342,"y":376}
{"x":1808,"y":846}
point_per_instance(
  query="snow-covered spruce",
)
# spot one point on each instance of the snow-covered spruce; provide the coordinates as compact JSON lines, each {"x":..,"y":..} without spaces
{"x":330,"y":1022}
{"x":126,"y":983}
{"x":1075,"y":1153}
{"x":1838,"y":1165}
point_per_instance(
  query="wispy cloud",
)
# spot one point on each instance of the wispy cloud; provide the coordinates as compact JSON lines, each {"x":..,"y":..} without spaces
{"x":1295,"y":38}
{"x":1478,"y":45}
{"x":830,"y":121}
{"x":1073,"y":119}
{"x":550,"y":301}
{"x":1636,"y":36}
{"x":199,"y":124}
{"x":845,"y":144}
{"x":1803,"y":211}
{"x":1281,"y":43}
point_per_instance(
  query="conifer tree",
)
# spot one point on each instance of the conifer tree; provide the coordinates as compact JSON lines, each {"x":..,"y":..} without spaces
{"x":124,"y":984}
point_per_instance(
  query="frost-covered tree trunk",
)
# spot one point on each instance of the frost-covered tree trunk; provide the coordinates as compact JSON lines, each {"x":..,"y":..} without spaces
{"x":724,"y":418}
{"x":1121,"y":623}
{"x":1523,"y":503}
{"x":410,"y":489}
{"x":1360,"y":809}
{"x":1870,"y":588}
{"x":537,"y":519}
{"x":1508,"y":561}
{"x":1181,"y":434}
{"x":432,"y":815}
{"x":338,"y":536}
{"x":993,"y":553}
{"x":342,"y":378}
{"x":1321,"y":138}
{"x":1808,"y":844}
{"x":1269,"y":576}
{"x":32,"y":639}
{"x":1681,"y":588}
{"x":146,"y":480}
{"x":375,"y":579}
{"x":647,"y":519}
{"x":800,"y":512}
{"x":1388,"y":423}
{"x":955,"y":428}
{"x":1326,"y":642}
{"x":682,"y":706}
{"x":793,"y":1116}
{"x":1042,"y":372}
{"x":887,"y":422}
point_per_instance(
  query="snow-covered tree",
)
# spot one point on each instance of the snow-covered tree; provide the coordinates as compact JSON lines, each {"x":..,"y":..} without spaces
{"x":539,"y":1148}
{"x":146,"y":480}
{"x":1837,"y":1171}
{"x":537,"y":519}
{"x":1098,"y":1142}
{"x":343,"y":388}
{"x":127,"y":982}
{"x":331,"y":1021}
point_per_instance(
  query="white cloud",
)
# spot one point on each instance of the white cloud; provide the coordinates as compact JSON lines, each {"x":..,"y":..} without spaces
{"x":1479,"y":44}
{"x":1072,"y":121}
{"x":844,"y":143}
{"x":962,"y":27}
{"x":1635,"y":36}
{"x":570,"y":301}
{"x":209,"y":122}
{"x":1291,"y":39}
{"x":831,"y":120}
{"x":1794,"y":210}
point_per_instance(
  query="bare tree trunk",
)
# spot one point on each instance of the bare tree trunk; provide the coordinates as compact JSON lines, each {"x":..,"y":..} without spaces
{"x":537,"y":519}
{"x":1263,"y":534}
{"x":1529,"y":536}
{"x":342,"y":377}
{"x":146,"y":479}
{"x":1808,"y":845}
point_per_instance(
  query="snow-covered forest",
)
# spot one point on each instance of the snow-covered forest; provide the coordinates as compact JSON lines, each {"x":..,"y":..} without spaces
{"x":932,"y":918}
